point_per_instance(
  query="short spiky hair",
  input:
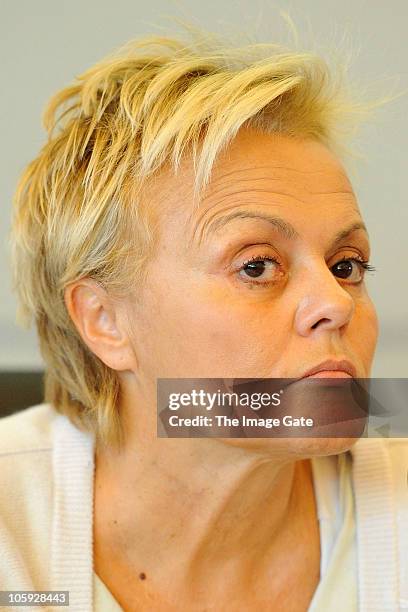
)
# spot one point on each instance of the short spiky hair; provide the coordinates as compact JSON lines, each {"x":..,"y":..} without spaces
{"x":121,"y":121}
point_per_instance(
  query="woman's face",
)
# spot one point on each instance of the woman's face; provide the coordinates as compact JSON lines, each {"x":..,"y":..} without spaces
{"x":207,"y":312}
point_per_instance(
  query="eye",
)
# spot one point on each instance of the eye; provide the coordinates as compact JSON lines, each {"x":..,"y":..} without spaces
{"x":259,"y":267}
{"x":351,"y":269}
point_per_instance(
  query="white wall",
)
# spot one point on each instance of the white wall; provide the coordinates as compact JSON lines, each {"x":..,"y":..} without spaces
{"x":44,"y":44}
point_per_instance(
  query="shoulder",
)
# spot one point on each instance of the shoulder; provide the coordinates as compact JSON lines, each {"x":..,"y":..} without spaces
{"x":35,"y":445}
{"x":381,"y":447}
{"x":396,"y":446}
{"x":380,"y":471}
{"x":42,"y":460}
{"x":26,"y":445}
{"x":26,"y":495}
{"x":396,"y":450}
{"x":27,"y":430}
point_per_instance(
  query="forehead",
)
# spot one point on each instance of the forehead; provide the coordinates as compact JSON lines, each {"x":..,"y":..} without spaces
{"x":274,"y":162}
{"x":258,"y":169}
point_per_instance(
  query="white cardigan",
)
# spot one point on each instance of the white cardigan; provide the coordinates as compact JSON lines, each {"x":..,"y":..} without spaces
{"x":46,"y":512}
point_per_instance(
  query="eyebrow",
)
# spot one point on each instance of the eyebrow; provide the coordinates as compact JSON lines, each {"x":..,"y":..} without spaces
{"x":283,"y":227}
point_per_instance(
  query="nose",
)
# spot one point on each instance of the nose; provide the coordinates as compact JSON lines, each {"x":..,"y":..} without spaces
{"x":324,"y":304}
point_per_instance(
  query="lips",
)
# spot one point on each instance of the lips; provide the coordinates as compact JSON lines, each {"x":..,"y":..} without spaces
{"x":328,"y":367}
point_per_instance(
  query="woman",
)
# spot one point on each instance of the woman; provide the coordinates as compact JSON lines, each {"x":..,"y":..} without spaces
{"x":189,"y":217}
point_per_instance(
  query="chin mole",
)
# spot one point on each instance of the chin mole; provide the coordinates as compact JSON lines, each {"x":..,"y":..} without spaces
{"x":142,"y":576}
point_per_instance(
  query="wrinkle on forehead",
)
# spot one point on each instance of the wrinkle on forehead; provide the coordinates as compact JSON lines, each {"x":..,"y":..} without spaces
{"x":262,"y":173}
{"x":238,"y":192}
{"x":333,"y":175}
{"x":218,"y":177}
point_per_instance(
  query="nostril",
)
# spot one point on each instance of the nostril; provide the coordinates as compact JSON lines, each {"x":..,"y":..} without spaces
{"x":319,"y":321}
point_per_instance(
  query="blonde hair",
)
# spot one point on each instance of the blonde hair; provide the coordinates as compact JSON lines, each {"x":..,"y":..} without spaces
{"x":122,"y":120}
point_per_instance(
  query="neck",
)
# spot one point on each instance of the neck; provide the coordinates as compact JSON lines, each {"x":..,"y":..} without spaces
{"x":188,"y":508}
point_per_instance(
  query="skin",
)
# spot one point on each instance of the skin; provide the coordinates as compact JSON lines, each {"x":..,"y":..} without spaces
{"x":215,"y":523}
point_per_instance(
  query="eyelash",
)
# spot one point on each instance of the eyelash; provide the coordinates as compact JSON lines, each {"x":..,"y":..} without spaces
{"x":364,"y":264}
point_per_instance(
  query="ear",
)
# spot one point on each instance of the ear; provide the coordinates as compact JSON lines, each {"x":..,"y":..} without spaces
{"x":100,"y":323}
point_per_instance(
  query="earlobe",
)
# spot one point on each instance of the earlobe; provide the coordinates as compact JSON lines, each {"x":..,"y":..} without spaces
{"x":96,"y":318}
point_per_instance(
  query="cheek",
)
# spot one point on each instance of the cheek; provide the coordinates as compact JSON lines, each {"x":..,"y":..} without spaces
{"x":365,"y":329}
{"x":233,"y":338}
{"x":209,"y":334}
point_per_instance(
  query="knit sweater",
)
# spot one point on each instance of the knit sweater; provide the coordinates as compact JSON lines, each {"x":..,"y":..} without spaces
{"x":46,"y":512}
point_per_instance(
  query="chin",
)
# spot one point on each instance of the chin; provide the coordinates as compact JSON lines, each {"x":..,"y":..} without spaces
{"x":298,"y":448}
